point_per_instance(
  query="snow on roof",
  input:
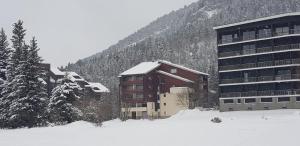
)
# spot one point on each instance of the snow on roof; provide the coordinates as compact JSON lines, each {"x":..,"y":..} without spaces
{"x":73,"y":76}
{"x":56,"y":71}
{"x":182,"y":67}
{"x":174,"y":76}
{"x":258,"y":20}
{"x":142,"y":68}
{"x":98,"y":87}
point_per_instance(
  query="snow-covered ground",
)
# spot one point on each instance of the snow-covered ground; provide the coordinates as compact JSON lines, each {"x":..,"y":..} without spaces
{"x":187,"y":128}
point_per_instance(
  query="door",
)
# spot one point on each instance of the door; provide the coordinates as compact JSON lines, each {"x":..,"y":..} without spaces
{"x":133,"y":115}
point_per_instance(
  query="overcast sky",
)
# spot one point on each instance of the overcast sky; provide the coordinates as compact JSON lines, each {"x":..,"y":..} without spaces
{"x":68,"y":30}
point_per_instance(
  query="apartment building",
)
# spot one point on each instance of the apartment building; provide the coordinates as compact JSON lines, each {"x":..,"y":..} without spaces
{"x":141,"y":87}
{"x":259,"y":63}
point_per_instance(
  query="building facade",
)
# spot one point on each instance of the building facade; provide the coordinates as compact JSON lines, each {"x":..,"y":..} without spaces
{"x":140,"y":87}
{"x":259,"y":63}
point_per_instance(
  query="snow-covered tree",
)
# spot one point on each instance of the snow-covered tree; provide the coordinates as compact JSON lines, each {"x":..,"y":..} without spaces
{"x":24,"y":98}
{"x":4,"y":54}
{"x":61,"y":106}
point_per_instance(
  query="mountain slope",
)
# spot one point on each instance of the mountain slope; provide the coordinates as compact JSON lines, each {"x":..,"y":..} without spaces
{"x":184,"y":36}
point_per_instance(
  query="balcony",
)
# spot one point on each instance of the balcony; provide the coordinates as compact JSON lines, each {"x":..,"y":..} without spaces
{"x":260,"y":35}
{"x":259,"y":50}
{"x":232,"y":53}
{"x":261,"y":93}
{"x":261,"y":79}
{"x":260,"y":64}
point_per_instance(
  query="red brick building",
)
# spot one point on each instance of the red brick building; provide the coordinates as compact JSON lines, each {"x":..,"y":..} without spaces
{"x":141,"y":86}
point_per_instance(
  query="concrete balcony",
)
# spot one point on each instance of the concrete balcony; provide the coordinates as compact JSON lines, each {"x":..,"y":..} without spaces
{"x":259,"y":79}
{"x":261,"y":93}
{"x":260,"y":64}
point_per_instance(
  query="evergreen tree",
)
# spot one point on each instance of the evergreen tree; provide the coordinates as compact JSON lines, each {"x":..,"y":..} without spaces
{"x":61,"y":109}
{"x":24,"y":98}
{"x":4,"y":54}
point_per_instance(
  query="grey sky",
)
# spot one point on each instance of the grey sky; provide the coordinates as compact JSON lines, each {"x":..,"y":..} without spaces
{"x":68,"y":30}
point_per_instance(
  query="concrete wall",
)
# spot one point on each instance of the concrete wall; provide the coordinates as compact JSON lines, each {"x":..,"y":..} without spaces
{"x":258,"y":105}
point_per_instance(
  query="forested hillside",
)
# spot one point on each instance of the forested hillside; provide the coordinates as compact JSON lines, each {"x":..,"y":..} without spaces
{"x":184,"y":36}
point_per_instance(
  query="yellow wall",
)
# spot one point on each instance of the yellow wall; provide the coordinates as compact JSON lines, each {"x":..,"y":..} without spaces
{"x":176,"y":100}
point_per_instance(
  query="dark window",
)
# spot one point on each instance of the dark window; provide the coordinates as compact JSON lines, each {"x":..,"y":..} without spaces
{"x":228,"y":100}
{"x":77,"y":77}
{"x":250,"y":100}
{"x":239,"y":101}
{"x":165,"y":104}
{"x":297,"y":98}
{"x":266,"y":100}
{"x":283,"y":99}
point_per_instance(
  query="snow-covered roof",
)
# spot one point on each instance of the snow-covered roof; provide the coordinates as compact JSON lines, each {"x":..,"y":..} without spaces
{"x":258,"y":20}
{"x":182,"y":67}
{"x":73,"y":76}
{"x":174,"y":76}
{"x":142,"y":68}
{"x":98,"y":87}
{"x":146,"y":67}
{"x":56,"y":71}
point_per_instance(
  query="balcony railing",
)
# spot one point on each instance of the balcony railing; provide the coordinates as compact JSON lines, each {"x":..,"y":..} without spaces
{"x":266,"y":34}
{"x":260,"y":50}
{"x":232,"y":53}
{"x":262,"y":93}
{"x":264,"y":49}
{"x":260,"y":78}
{"x":260,"y":64}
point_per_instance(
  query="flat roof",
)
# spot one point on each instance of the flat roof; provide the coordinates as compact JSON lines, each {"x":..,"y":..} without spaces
{"x":257,"y":20}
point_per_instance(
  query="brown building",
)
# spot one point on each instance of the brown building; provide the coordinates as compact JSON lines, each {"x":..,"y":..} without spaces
{"x":142,"y":85}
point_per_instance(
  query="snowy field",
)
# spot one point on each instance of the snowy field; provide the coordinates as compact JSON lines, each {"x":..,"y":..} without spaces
{"x":187,"y":128}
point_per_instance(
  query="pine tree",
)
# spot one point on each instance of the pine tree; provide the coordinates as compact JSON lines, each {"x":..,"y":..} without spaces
{"x":24,"y":98}
{"x":61,"y":109}
{"x":4,"y":55}
{"x":14,"y":88}
{"x":37,"y":94}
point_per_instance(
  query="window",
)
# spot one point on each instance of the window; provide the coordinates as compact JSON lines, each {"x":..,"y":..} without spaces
{"x":77,"y":77}
{"x":139,"y":87}
{"x":165,"y":104}
{"x":129,"y":96}
{"x":139,"y":78}
{"x":296,"y":28}
{"x":249,"y":35}
{"x":239,"y":100}
{"x":174,"y":71}
{"x":228,"y":101}
{"x":250,"y":100}
{"x":227,"y":38}
{"x":283,"y":99}
{"x":297,"y":98}
{"x":266,"y":100}
{"x":139,"y":96}
{"x":281,"y":31}
{"x":266,"y":32}
{"x":141,"y":105}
